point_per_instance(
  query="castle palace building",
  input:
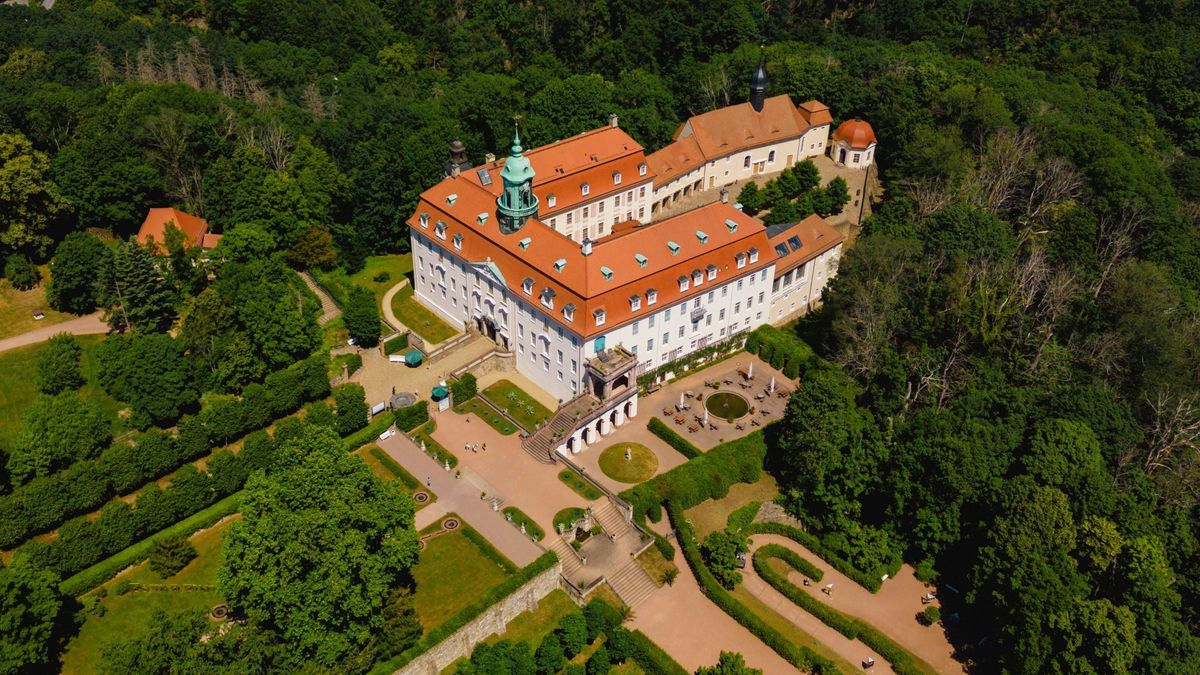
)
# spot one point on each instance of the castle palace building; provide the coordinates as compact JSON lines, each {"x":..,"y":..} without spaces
{"x":552,"y":253}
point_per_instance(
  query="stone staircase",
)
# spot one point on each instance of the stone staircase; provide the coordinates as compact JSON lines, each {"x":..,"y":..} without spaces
{"x":632,"y":584}
{"x":613,"y":521}
{"x":541,"y":444}
{"x":329,"y":308}
{"x":568,"y":556}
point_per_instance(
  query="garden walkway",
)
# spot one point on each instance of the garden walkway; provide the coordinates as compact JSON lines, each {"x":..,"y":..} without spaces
{"x":329,"y":308}
{"x":379,"y":376}
{"x":892,"y":610}
{"x":689,"y":627}
{"x":461,"y":496}
{"x":389,"y":317}
{"x":91,"y":324}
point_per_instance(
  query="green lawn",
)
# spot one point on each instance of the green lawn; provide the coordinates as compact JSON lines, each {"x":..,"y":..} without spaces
{"x":531,"y":627}
{"x":440,"y":453}
{"x":790,"y":630}
{"x":16,"y":307}
{"x":567,"y":516}
{"x":452,"y":573}
{"x":486,"y":413}
{"x":520,"y":406}
{"x":713,"y":514}
{"x":126,"y":616}
{"x":579,"y":485}
{"x":655,"y":564}
{"x":18,"y":386}
{"x":517,"y":517}
{"x":641,"y":465}
{"x":419,"y":319}
{"x":338,"y":283}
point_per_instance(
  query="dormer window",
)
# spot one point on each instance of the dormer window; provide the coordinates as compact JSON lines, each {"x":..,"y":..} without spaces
{"x":683,"y":283}
{"x":616,"y":178}
{"x":741,"y":260}
{"x":425,"y":220}
{"x":702,"y":237}
{"x":730,"y":225}
{"x":606,"y":272}
{"x":753,"y":255}
{"x":458,"y":239}
{"x":560,"y":264}
{"x":451,"y":198}
{"x":482,"y":218}
{"x":524,"y":243}
{"x":569,"y":312}
{"x":551,"y":201}
{"x":712,"y":272}
{"x":651,"y":297}
{"x":642,"y":169}
{"x":527,"y":286}
{"x":440,"y":229}
{"x":697,"y":277}
{"x":674,"y":248}
{"x":599,"y":316}
{"x":641,"y":259}
{"x":548,"y":298}
{"x":585,"y":189}
{"x":635,"y":302}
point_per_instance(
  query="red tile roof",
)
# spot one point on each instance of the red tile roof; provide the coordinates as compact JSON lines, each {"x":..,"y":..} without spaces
{"x":816,"y":237}
{"x":676,"y":159}
{"x":195,"y":230}
{"x":856,"y":133}
{"x":554,"y":261}
{"x":736,"y":127}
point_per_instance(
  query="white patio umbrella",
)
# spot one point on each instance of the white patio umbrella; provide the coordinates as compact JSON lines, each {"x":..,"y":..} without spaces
{"x":750,"y":371}
{"x":706,"y":417}
{"x":682,"y":401}
{"x":771,"y":387}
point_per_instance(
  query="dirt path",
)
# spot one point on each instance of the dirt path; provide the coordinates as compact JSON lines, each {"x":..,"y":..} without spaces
{"x":90,"y":324}
{"x":892,"y":610}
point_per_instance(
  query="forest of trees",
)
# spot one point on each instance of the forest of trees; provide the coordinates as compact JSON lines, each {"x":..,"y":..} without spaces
{"x":1016,"y":378}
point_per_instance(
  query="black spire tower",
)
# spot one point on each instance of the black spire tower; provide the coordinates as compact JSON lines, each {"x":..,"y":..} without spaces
{"x":758,"y":86}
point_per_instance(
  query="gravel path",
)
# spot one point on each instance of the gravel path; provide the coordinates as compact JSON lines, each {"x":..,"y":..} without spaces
{"x":91,"y":324}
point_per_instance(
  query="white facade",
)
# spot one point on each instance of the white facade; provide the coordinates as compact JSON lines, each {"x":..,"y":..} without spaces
{"x":741,"y":165}
{"x":799,"y":290}
{"x":553,"y":357}
{"x":595,"y":219}
{"x":843,"y":154}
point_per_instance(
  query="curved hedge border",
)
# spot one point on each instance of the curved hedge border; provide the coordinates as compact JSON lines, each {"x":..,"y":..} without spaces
{"x":792,"y":558}
{"x":111,"y":566}
{"x":467,"y":614}
{"x":672,"y":438}
{"x":812,"y":543}
{"x":802,"y":657}
{"x":902,"y":660}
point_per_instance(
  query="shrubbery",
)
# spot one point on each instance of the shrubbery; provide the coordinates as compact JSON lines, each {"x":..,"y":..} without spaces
{"x":706,"y":477}
{"x":672,"y":438}
{"x":47,"y":501}
{"x":785,"y":352}
{"x":870,"y":582}
{"x":396,"y":344}
{"x":413,"y":416}
{"x":20,"y":272}
{"x":171,"y":554}
{"x":352,"y":409}
{"x":464,"y":388}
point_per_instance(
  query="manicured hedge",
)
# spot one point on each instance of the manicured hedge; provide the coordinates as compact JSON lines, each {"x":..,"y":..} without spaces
{"x":792,"y":558}
{"x":741,"y":518}
{"x":47,"y":502}
{"x":491,"y":552}
{"x":378,"y":425}
{"x":464,"y":388}
{"x":708,"y":476}
{"x":467,"y":614}
{"x":870,"y":582}
{"x":407,"y":479}
{"x":109,"y":567}
{"x":673,"y":439}
{"x":518,"y":516}
{"x":903,"y":661}
{"x":802,"y":657}
{"x":783,"y":350}
{"x":652,"y":659}
{"x":398,"y":343}
{"x":413,"y":416}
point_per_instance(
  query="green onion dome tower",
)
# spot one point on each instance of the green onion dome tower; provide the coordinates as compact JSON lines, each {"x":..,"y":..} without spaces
{"x":517,"y":203}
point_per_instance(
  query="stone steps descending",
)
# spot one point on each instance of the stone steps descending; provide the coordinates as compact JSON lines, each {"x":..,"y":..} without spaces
{"x":632,"y":584}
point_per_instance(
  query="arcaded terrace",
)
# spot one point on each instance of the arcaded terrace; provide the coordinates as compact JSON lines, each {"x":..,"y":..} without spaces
{"x":743,"y":375}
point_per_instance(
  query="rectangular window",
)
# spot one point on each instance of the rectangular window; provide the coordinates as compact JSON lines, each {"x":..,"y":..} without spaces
{"x":650,"y":345}
{"x":570,"y":217}
{"x":650,"y":321}
{"x":737,"y":308}
{"x":574,"y":366}
{"x":721,"y":317}
{"x":740,"y":284}
{"x":617,"y":201}
{"x":600,"y":209}
{"x":560,"y":357}
{"x":554,"y":223}
{"x":666,"y":338}
{"x":746,"y":162}
{"x":635,"y":327}
{"x":667,"y":315}
{"x":560,"y":376}
{"x":585,"y":212}
{"x":681,"y":331}
{"x":771,"y":157}
{"x":760,"y":297}
{"x":724,"y":290}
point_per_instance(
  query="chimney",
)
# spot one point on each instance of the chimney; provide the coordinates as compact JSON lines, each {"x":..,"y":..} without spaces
{"x":612,"y":120}
{"x":586,"y":248}
{"x":454,"y":170}
{"x":724,"y":195}
{"x":489,"y":158}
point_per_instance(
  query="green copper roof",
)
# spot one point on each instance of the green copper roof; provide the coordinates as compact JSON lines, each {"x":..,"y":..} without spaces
{"x":517,"y":168}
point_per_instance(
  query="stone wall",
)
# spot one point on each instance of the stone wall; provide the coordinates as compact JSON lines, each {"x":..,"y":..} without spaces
{"x":494,"y":361}
{"x":492,"y":621}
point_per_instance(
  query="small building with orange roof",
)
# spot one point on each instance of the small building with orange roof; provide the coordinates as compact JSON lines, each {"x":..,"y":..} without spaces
{"x":153,"y":231}
{"x":806,"y":258}
{"x":853,"y":144}
{"x":737,"y":142}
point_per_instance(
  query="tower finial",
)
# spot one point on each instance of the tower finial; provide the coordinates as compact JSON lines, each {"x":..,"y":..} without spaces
{"x":758,"y":82}
{"x":516,"y":149}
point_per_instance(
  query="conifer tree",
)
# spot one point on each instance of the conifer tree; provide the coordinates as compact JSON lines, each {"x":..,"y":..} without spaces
{"x":138,"y":296}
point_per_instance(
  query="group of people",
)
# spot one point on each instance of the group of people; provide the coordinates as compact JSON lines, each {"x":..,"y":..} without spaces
{"x":473,"y":448}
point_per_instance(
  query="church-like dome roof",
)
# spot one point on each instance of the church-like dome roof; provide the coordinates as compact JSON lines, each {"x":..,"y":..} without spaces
{"x":855,"y":133}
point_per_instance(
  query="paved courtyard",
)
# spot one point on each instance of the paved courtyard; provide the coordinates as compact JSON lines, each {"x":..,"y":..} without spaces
{"x":653,"y":405}
{"x":378,"y":375}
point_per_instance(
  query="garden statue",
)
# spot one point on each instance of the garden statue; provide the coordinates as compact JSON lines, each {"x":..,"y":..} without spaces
{"x":628,"y":454}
